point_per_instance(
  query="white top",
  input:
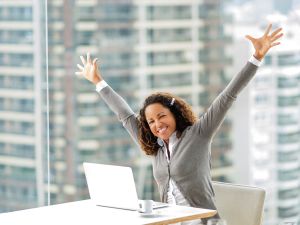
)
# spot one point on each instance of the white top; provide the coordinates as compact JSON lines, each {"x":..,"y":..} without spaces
{"x":174,"y":195}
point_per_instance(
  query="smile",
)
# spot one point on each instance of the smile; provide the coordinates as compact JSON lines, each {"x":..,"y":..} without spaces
{"x":161,"y":130}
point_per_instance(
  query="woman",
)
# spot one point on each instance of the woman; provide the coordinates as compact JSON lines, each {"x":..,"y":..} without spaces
{"x":168,"y":130}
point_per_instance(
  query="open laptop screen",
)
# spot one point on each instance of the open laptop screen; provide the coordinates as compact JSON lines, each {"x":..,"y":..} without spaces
{"x":111,"y":186}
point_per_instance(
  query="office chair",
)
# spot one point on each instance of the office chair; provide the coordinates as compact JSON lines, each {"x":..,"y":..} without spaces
{"x":239,"y":204}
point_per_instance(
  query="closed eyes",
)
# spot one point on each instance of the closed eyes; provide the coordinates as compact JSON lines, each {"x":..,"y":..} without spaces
{"x":160,"y":116}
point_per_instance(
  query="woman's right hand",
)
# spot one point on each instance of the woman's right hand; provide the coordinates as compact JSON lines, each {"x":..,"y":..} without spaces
{"x":89,"y":69}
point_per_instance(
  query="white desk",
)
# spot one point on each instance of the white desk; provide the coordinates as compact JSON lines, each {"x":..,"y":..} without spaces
{"x":86,"y":213}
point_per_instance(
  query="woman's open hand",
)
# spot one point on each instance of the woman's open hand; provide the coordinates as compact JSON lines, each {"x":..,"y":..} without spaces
{"x":89,"y":69}
{"x":264,"y":43}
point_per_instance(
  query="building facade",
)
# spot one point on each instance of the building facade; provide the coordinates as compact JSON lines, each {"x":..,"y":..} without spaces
{"x":267,"y":127}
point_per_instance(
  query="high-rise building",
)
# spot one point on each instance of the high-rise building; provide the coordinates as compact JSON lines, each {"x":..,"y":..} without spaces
{"x":267,"y":128}
{"x":21,"y":105}
{"x":144,"y":46}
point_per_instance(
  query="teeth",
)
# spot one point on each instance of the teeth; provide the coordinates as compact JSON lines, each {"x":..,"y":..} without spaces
{"x":162,"y":129}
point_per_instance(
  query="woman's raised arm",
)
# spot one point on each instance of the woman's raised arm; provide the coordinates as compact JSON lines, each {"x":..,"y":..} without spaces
{"x":115,"y":102}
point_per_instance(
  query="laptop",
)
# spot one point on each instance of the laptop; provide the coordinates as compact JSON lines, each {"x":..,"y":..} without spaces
{"x":113,"y":186}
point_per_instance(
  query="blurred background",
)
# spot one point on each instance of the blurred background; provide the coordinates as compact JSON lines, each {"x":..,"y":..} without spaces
{"x":51,"y":120}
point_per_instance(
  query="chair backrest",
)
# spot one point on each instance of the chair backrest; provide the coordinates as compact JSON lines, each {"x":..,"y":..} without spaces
{"x":239,"y":204}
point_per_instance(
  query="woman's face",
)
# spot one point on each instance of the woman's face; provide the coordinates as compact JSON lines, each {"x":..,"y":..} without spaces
{"x":161,"y":121}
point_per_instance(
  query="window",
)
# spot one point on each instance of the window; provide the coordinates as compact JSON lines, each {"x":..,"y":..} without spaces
{"x":284,"y":138}
{"x":288,"y":59}
{"x":169,"y":80}
{"x":288,"y":100}
{"x":169,"y":58}
{"x":16,"y":13}
{"x":168,"y":35}
{"x":168,"y":12}
{"x":287,"y":82}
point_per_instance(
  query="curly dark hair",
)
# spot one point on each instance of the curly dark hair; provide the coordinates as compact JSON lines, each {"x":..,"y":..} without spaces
{"x":182,"y":111}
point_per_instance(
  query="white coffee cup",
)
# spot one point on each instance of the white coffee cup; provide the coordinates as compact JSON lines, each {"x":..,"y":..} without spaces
{"x":146,"y":206}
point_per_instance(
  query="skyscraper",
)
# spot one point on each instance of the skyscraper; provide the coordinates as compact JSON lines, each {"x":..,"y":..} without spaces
{"x":268,"y":146}
{"x":21,"y":105}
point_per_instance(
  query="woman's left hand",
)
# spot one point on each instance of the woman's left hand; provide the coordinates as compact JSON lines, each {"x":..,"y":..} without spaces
{"x":264,"y":43}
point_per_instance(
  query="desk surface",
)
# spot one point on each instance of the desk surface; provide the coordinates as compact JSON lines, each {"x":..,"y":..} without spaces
{"x":85,"y":212}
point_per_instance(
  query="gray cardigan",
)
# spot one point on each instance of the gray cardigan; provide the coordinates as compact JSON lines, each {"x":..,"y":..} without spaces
{"x":189,"y":165}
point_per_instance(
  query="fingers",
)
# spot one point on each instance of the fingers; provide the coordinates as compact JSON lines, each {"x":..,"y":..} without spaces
{"x":80,"y":67}
{"x":250,"y":37}
{"x":88,"y":58}
{"x":275,"y":32}
{"x":268,"y":30}
{"x":95,"y":61}
{"x":79,"y":73}
{"x":276,"y":37}
{"x":275,"y":43}
{"x":82,"y":60}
